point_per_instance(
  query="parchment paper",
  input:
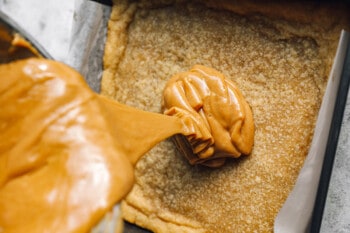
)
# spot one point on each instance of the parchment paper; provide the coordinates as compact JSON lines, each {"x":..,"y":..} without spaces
{"x":297,"y":210}
{"x":89,"y":28}
{"x":87,"y":40}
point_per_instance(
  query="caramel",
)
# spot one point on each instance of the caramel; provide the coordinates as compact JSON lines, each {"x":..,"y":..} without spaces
{"x":216,"y":111}
{"x":66,"y":153}
{"x":18,"y":43}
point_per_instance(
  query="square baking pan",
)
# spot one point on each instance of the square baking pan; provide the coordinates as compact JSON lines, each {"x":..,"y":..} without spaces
{"x":343,"y":71}
{"x":340,"y":77}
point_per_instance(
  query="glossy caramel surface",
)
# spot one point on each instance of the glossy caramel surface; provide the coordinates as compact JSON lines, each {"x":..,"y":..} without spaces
{"x":66,"y":153}
{"x":216,"y":110}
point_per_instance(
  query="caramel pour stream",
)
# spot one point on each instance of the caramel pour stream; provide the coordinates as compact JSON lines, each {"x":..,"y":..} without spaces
{"x":136,"y":131}
{"x":67,"y":154}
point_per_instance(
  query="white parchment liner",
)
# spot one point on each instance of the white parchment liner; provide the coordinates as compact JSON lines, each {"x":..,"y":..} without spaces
{"x":87,"y":39}
{"x":297,"y":210}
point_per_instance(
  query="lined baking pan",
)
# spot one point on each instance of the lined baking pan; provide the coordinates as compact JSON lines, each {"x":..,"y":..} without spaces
{"x":333,"y":136}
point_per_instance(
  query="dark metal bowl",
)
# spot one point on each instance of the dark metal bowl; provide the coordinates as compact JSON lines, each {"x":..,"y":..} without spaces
{"x":8,"y":29}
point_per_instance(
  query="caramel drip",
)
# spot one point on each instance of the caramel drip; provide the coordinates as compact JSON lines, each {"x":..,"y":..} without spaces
{"x":214,"y":108}
{"x":19,"y":42}
{"x":66,"y":153}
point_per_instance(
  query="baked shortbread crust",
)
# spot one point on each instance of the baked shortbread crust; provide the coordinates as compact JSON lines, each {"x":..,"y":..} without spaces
{"x":278,"y":55}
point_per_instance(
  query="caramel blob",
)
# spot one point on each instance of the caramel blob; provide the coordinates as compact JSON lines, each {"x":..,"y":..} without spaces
{"x":215,"y":109}
{"x":66,"y":153}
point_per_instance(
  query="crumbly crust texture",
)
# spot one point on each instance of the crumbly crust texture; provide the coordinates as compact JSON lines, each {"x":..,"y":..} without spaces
{"x":281,"y":64}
